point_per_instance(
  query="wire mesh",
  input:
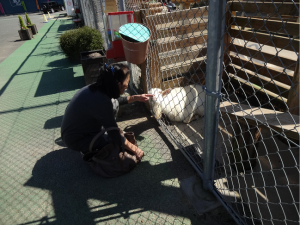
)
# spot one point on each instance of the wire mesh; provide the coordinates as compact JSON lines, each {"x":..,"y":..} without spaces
{"x":175,"y":69}
{"x":92,"y":13}
{"x":257,"y":151}
{"x":259,"y":126}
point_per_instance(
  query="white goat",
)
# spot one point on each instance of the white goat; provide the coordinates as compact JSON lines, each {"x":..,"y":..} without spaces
{"x":179,"y":104}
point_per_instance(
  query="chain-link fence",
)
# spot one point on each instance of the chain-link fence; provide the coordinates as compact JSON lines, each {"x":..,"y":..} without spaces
{"x":92,"y":13}
{"x":259,"y":117}
{"x":242,"y":130}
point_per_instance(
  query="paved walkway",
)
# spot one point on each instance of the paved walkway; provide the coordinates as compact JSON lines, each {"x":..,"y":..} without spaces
{"x":9,"y":36}
{"x":43,"y":182}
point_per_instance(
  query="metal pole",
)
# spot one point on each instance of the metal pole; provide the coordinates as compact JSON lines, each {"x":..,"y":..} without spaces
{"x":123,"y":8}
{"x":215,"y":44}
{"x":122,"y":5}
{"x":95,"y":15}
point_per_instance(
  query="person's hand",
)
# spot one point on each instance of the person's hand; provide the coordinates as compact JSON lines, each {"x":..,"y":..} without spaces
{"x":143,"y":97}
{"x":139,"y":154}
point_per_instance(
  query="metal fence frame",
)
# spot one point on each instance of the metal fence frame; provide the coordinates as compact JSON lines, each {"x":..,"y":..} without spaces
{"x":216,"y":33}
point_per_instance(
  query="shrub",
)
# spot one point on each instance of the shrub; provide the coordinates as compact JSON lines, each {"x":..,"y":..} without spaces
{"x":22,"y":25}
{"x":74,"y":41}
{"x":28,"y":21}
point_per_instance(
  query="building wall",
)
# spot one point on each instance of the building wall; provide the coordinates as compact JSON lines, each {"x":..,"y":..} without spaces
{"x":15,"y":7}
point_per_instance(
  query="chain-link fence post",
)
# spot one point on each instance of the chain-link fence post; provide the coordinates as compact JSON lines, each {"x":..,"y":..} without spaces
{"x":123,"y":8}
{"x":122,"y":5}
{"x":215,"y":43}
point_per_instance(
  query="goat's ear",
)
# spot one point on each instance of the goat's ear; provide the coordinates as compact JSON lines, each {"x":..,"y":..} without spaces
{"x":165,"y":92}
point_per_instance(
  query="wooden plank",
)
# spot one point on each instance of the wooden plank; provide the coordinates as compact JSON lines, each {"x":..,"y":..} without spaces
{"x":184,"y":21}
{"x":181,"y":30}
{"x":258,"y":88}
{"x":281,"y":18}
{"x":182,"y":54}
{"x":149,"y":24}
{"x":234,"y":14}
{"x":269,"y":25}
{"x":138,"y":16}
{"x":144,"y":82}
{"x":153,"y":11}
{"x":257,"y":80}
{"x":172,"y":43}
{"x":154,"y":67}
{"x":266,"y":39}
{"x":279,"y":1}
{"x":178,"y":15}
{"x":174,"y":18}
{"x":268,"y":71}
{"x":264,"y":56}
{"x":279,"y":121}
{"x":146,"y":5}
{"x":189,"y":66}
{"x":281,"y":8}
{"x":255,"y":95}
{"x":110,"y":6}
{"x":293,"y":98}
{"x":184,"y":81}
{"x":154,"y":62}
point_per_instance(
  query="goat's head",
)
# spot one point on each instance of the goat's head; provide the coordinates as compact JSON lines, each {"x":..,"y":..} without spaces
{"x":157,"y":100}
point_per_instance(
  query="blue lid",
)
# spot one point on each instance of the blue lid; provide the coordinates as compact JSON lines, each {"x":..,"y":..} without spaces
{"x":135,"y":31}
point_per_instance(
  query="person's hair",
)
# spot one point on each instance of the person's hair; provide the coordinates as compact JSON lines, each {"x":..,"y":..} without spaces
{"x":108,"y":79}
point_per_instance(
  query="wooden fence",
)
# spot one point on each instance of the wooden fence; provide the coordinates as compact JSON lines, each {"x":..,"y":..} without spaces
{"x":262,"y":70}
{"x":261,"y":53}
{"x":178,"y":45}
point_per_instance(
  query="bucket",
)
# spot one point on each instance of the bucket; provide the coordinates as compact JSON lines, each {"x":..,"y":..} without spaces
{"x":135,"y":39}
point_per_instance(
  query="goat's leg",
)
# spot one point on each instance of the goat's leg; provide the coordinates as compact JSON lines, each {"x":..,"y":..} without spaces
{"x":195,"y":117}
{"x":188,"y":119}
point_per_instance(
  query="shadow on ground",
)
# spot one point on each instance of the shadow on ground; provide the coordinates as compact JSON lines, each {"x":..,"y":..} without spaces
{"x":150,"y":194}
{"x":32,"y":53}
{"x":44,"y":182}
{"x":58,"y":80}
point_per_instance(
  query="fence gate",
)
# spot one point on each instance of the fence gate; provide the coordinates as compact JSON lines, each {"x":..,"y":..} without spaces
{"x":256,"y":158}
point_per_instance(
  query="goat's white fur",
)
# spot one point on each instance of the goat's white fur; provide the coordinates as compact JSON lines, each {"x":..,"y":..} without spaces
{"x":179,"y":104}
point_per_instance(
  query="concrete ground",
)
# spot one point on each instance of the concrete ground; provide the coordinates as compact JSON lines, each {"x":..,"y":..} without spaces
{"x":44,"y":182}
{"x":9,"y":36}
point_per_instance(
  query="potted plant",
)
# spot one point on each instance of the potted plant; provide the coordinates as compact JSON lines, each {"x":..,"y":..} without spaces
{"x":85,"y":44}
{"x":30,"y":25}
{"x":91,"y":62}
{"x":25,"y":33}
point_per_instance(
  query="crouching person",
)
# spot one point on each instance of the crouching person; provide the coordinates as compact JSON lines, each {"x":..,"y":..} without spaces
{"x":89,"y":124}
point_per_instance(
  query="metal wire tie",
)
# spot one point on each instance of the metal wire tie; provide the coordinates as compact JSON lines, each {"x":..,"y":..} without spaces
{"x":213,"y":94}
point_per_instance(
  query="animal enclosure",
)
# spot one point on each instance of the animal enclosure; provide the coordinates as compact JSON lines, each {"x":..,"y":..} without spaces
{"x":257,"y":149}
{"x":256,"y":143}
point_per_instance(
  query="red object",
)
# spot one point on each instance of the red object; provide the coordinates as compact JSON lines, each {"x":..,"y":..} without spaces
{"x":77,"y":11}
{"x":37,"y":4}
{"x":120,"y":13}
{"x":116,"y":52}
{"x":1,"y":9}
